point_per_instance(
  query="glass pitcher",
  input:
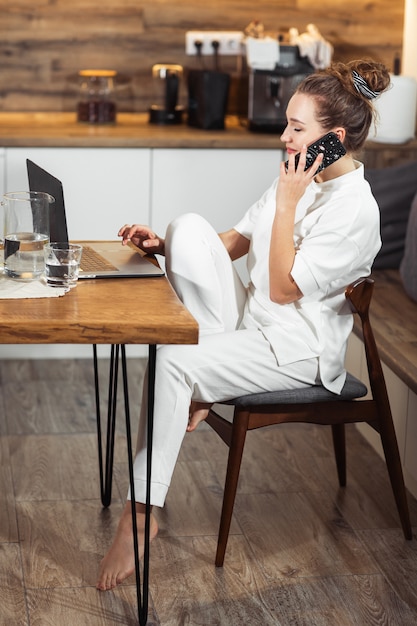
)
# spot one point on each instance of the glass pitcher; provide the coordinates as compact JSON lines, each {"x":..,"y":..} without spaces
{"x":26,"y":231}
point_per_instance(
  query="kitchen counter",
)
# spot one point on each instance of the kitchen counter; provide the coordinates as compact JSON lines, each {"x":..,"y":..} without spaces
{"x":132,"y":130}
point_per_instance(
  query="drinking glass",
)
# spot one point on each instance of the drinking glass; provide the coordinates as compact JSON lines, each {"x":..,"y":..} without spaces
{"x":62,"y":263}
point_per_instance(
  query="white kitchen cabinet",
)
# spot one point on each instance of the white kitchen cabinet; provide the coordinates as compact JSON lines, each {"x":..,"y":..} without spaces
{"x":218,"y":184}
{"x":102,"y":186}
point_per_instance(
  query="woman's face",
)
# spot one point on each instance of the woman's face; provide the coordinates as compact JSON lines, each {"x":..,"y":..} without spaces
{"x":302,"y":126}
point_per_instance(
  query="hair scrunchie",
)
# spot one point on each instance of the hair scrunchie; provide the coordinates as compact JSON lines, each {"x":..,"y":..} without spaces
{"x":362,"y":86}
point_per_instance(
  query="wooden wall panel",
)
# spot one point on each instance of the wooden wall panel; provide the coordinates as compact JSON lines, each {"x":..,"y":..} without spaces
{"x":44,"y":44}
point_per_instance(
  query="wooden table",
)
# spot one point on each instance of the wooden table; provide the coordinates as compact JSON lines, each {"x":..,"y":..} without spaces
{"x":115,"y":312}
{"x":105,"y":311}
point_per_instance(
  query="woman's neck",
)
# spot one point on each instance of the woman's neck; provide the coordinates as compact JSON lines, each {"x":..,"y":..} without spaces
{"x":345,"y":165}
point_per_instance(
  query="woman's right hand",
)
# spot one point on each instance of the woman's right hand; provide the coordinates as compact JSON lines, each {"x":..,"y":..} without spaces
{"x":142,"y":237}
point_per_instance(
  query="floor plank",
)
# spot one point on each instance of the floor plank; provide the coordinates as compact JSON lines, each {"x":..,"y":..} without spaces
{"x":341,"y":601}
{"x":298,"y":535}
{"x":8,"y":526}
{"x":396,"y":559}
{"x":12,"y":604}
{"x":43,"y":407}
{"x":62,"y":542}
{"x":205,"y":594}
{"x":82,"y":606}
{"x":46,"y":467}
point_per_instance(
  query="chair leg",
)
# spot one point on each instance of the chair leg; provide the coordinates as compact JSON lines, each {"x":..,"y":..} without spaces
{"x":339,"y":445}
{"x":240,"y":427}
{"x":393,"y":461}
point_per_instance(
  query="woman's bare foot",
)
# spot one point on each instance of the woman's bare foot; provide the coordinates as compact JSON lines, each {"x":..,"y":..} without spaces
{"x":119,"y":562}
{"x":198,"y":413}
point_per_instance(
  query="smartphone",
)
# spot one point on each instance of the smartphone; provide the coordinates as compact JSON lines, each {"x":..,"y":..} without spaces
{"x":331,"y":147}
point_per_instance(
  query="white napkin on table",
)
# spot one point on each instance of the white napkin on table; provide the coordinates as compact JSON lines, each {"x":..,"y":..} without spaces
{"x":14,"y":289}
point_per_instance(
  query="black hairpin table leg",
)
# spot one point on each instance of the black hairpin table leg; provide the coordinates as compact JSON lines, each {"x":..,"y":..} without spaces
{"x":142,"y":599}
{"x":142,"y":594}
{"x":106,"y":468}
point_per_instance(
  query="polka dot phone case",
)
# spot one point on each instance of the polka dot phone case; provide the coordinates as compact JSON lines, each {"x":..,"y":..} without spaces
{"x":329,"y":145}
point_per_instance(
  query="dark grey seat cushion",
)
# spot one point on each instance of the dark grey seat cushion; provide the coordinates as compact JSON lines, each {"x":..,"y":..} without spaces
{"x":394,"y":189}
{"x":408,"y":267}
{"x":353,"y":388}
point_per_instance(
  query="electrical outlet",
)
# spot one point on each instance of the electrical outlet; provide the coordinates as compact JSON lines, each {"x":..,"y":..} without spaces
{"x":230,"y":42}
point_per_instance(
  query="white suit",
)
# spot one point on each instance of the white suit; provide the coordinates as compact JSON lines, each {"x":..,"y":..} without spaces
{"x":247,"y":343}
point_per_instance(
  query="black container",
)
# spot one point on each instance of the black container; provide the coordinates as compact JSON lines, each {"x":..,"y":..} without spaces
{"x":208,"y":93}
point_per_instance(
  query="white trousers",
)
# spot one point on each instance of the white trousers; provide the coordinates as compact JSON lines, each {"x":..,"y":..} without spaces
{"x":229,"y":361}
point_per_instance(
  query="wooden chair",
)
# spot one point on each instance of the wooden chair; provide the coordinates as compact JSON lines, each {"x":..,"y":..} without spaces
{"x":319,"y":406}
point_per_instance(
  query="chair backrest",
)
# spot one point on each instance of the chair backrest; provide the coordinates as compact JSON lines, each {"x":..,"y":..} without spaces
{"x":359,"y":294}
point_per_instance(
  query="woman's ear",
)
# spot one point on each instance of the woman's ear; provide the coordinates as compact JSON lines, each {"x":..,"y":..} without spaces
{"x":341,"y":133}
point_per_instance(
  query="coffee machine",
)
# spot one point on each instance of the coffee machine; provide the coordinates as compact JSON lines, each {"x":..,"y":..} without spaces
{"x":269,"y":91}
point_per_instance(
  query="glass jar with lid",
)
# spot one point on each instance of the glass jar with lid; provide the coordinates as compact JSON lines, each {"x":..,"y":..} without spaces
{"x":96,"y":104}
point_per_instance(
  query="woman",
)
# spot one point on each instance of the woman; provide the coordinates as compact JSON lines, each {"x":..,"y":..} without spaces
{"x":307,"y":238}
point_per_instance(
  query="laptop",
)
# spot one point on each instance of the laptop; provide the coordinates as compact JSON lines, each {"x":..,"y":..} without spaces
{"x":100,"y":259}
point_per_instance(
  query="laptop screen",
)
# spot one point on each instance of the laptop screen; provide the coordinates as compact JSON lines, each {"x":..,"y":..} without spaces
{"x":41,"y":180}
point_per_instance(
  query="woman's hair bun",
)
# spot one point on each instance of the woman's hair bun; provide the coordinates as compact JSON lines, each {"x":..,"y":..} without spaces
{"x":376,"y":75}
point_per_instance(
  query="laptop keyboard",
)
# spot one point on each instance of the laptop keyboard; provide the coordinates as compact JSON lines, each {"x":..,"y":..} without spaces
{"x":92,"y":261}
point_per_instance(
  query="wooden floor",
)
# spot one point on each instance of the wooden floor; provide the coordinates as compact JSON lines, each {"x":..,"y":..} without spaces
{"x":302,"y":552}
